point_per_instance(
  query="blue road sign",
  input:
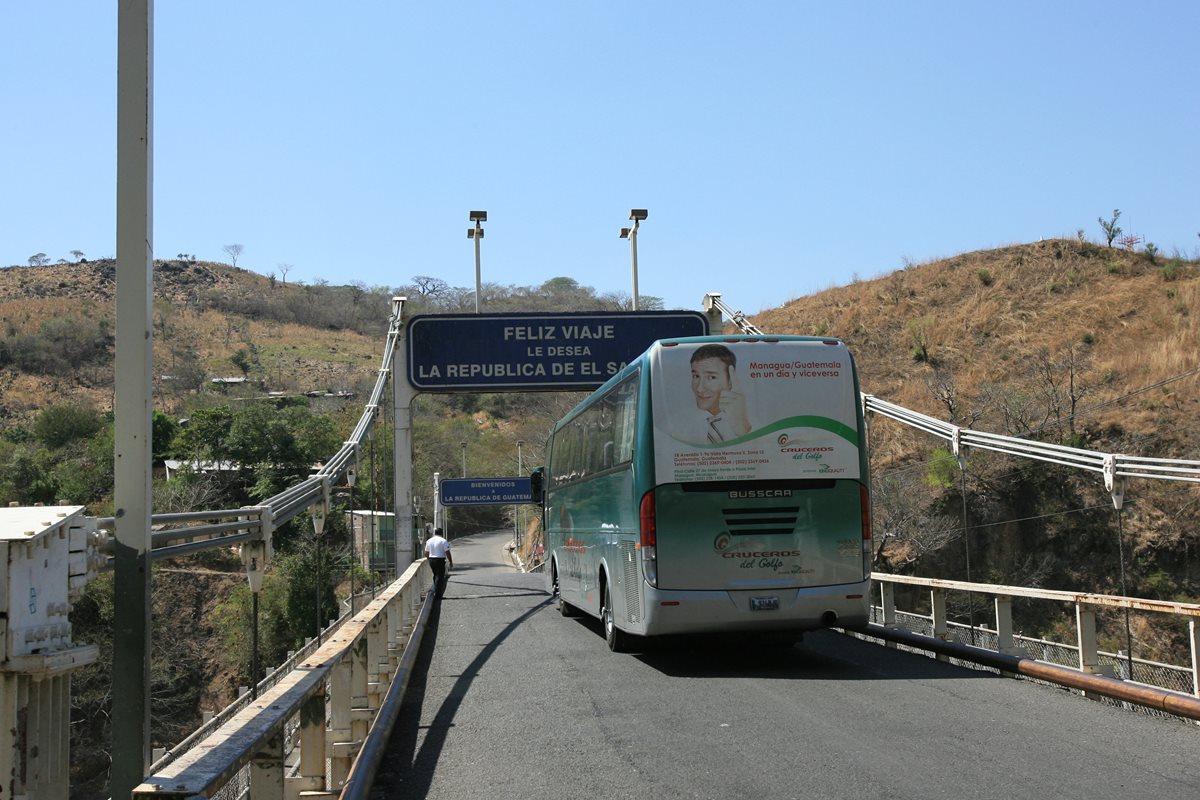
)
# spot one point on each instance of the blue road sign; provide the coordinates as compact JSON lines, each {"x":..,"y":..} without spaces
{"x":528,"y":352}
{"x":485,"y":491}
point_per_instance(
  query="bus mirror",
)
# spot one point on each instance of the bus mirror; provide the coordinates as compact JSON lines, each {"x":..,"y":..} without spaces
{"x":535,"y":485}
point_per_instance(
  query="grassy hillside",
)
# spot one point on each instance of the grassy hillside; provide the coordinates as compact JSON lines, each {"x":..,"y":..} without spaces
{"x":294,"y":338}
{"x":983,"y":319}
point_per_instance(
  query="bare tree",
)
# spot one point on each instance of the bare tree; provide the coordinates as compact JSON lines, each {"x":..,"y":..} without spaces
{"x":429,"y":287}
{"x":942,"y":387}
{"x":233,"y":251}
{"x":284,"y":269}
{"x":909,"y":526}
{"x":1063,"y":384}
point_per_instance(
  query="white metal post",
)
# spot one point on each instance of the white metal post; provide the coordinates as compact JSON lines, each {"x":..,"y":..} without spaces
{"x":1089,"y":659}
{"x":402,"y":399}
{"x":132,"y":400}
{"x":340,"y":723}
{"x":1194,"y":635}
{"x":887,"y":600}
{"x":1004,"y":627}
{"x":941,"y":630}
{"x":438,"y":510}
{"x":310,"y":777}
{"x":266,"y":770}
{"x":517,"y":509}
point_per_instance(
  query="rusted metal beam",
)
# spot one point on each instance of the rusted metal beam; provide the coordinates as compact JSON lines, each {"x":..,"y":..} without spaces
{"x":1171,"y":702}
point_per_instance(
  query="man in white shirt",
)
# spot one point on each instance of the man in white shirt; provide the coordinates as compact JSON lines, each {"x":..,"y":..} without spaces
{"x":437,"y":548}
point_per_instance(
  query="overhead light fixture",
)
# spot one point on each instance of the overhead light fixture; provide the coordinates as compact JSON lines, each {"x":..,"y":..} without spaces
{"x":624,"y":233}
{"x":637,"y":214}
{"x":481,"y":216}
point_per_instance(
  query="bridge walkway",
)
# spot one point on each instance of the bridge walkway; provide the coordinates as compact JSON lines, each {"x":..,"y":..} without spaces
{"x":510,"y":700}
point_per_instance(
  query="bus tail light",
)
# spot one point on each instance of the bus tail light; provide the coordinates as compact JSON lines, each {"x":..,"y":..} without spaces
{"x":865,"y":509}
{"x":649,"y":540}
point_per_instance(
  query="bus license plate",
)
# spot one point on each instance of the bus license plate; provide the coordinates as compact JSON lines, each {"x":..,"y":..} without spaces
{"x":764,"y":603}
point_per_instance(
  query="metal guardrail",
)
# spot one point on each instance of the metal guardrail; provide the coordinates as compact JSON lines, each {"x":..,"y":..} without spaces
{"x":1148,"y":684}
{"x":1111,"y":465}
{"x":328,"y":705}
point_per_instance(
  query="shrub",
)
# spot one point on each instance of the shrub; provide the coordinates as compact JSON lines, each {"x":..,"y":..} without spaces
{"x":1170,"y":270}
{"x":63,"y":423}
{"x":918,"y":330}
{"x":942,"y":469}
{"x":985,"y":277}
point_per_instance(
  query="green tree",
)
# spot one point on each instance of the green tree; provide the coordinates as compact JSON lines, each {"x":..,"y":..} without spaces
{"x":205,"y":437}
{"x":234,"y":617}
{"x":63,"y":423}
{"x":311,"y":571}
{"x":241,"y":360}
{"x":26,"y":475}
{"x":164,"y":429}
{"x":1111,"y":230}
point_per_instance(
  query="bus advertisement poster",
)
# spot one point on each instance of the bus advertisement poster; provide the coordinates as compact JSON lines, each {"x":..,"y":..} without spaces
{"x":756,"y":410}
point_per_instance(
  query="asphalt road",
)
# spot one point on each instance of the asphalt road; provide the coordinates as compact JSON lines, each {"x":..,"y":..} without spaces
{"x":511,"y":700}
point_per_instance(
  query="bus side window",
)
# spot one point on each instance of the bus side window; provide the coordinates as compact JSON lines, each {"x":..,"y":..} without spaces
{"x":626,"y":421}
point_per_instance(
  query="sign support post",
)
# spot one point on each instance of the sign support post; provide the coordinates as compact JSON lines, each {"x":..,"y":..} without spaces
{"x":402,"y":397}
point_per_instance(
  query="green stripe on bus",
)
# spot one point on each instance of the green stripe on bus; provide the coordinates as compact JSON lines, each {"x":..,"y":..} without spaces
{"x":839,"y":429}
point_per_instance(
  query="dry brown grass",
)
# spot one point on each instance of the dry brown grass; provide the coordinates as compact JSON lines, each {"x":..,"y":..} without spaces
{"x":292,"y":357}
{"x":986,"y":315}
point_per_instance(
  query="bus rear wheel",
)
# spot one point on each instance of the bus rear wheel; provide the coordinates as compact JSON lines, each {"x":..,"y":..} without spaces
{"x":618,"y":640}
{"x":564,"y":608}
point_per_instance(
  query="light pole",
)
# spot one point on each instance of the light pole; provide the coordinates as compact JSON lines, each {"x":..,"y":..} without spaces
{"x":463,"y":445}
{"x":637,"y":215}
{"x":476,"y":233}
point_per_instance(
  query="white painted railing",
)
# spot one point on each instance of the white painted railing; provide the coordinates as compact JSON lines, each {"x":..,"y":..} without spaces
{"x":1090,"y":661}
{"x":304,"y":733}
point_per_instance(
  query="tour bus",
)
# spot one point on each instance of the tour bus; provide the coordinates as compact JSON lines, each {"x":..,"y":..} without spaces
{"x":715,"y":484}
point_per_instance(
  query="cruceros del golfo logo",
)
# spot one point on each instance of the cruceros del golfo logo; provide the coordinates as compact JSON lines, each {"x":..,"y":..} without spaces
{"x":722,"y":542}
{"x":782,"y":440}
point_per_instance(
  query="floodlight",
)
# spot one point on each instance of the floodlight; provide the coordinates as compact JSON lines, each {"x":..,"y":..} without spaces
{"x":637,"y":214}
{"x":481,"y":216}
{"x":624,"y":233}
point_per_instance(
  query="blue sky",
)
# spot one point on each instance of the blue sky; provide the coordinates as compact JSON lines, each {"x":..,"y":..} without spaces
{"x":780,"y":147}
